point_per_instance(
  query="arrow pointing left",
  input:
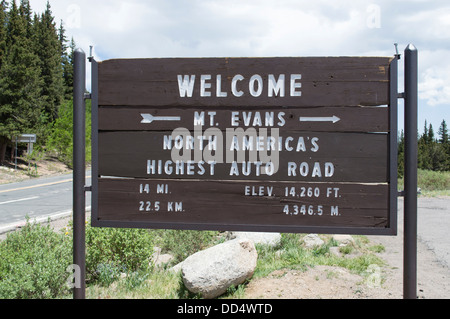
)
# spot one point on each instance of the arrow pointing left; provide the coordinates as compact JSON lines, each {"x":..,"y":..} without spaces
{"x":148,"y":118}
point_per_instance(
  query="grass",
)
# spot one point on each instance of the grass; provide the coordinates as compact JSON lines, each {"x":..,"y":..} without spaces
{"x":157,"y":284}
{"x":431,"y":183}
{"x":290,"y":254}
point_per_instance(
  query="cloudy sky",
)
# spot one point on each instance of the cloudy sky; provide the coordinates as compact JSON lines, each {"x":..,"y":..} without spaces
{"x":264,"y":28}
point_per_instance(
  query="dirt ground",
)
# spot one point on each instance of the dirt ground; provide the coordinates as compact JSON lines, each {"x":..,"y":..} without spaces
{"x":324,"y":282}
{"x":320,"y":282}
{"x":10,"y":173}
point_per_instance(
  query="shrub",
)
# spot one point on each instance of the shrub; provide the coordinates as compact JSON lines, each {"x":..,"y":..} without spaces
{"x":183,"y":243}
{"x":33,"y":263}
{"x":432,"y":181}
{"x":111,"y":251}
{"x":61,"y":137}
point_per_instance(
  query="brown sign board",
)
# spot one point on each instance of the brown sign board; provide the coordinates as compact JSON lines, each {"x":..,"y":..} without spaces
{"x":315,"y":157}
{"x":252,"y":144}
{"x":227,"y":82}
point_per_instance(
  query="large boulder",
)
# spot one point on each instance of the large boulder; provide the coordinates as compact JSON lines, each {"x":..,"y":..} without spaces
{"x":212,"y":271}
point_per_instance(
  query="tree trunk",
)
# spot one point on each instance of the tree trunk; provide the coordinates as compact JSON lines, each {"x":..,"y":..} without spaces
{"x":3,"y":144}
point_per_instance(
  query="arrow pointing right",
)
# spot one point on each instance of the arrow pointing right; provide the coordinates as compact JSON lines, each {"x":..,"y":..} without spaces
{"x":333,"y":119}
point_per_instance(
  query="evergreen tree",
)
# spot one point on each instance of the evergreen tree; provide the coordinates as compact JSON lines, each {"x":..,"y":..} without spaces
{"x":67,"y":62}
{"x":49,"y":53}
{"x":443,"y":133}
{"x":25,"y":13}
{"x":68,"y":75}
{"x":444,"y":144}
{"x":438,"y":158}
{"x":424,"y":136}
{"x":434,"y":154}
{"x":423,"y":158}
{"x":3,"y":31}
{"x":3,"y":38}
{"x":430,"y":137}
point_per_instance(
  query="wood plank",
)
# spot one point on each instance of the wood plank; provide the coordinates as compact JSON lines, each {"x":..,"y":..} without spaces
{"x":226,"y":204}
{"x":349,"y":119}
{"x":325,"y":81}
{"x":352,"y":157}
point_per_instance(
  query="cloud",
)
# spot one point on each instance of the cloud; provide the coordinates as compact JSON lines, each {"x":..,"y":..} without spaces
{"x":434,"y":77}
{"x":430,"y":27}
{"x":216,"y":28}
{"x":206,"y":28}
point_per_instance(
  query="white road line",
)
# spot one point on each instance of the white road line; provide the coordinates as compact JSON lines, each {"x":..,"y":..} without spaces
{"x":36,"y":186}
{"x":40,"y":185}
{"x":19,"y":200}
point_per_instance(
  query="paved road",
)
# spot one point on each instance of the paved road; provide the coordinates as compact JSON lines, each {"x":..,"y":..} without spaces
{"x":433,"y":226}
{"x":38,"y":199}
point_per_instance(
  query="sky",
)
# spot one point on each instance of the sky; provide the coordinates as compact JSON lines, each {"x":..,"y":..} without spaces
{"x":270,"y":28}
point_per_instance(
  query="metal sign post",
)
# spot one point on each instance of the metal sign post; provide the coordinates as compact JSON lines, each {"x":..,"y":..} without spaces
{"x":24,"y":138}
{"x":79,"y":159}
{"x":410,"y":207}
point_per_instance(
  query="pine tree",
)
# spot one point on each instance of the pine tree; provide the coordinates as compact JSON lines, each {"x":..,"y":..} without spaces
{"x":430,"y":137}
{"x":424,"y":136}
{"x":422,"y":158}
{"x":3,"y":31}
{"x":3,"y":38}
{"x":25,"y":13}
{"x":67,"y":58}
{"x":443,"y":133}
{"x":68,"y":75}
{"x":49,"y":53}
{"x":444,"y":144}
{"x":434,"y":154}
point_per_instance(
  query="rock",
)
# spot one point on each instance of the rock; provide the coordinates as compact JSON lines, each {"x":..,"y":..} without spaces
{"x":212,"y":271}
{"x":270,"y":239}
{"x":163,"y":259}
{"x":344,"y":240}
{"x":335,"y":251}
{"x":312,"y":240}
{"x":176,"y":268}
{"x":158,"y":259}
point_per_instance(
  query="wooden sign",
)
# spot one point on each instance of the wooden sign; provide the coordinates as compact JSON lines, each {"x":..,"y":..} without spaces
{"x":245,"y":82}
{"x":256,"y":144}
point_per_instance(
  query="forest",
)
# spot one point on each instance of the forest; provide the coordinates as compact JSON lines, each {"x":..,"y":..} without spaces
{"x":433,"y":150}
{"x":36,"y":87}
{"x":36,"y":72}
